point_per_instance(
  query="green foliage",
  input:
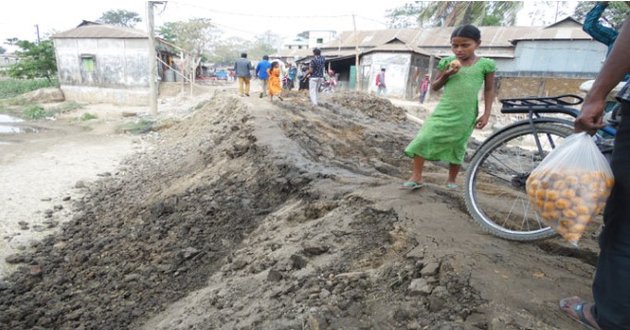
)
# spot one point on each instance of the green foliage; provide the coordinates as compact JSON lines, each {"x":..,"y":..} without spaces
{"x":13,"y":87}
{"x":63,"y":108}
{"x":140,"y":127}
{"x":87,"y":116}
{"x":167,"y":32}
{"x":226,"y":52}
{"x":194,"y":35}
{"x":35,"y":60}
{"x":34,"y":112}
{"x":11,"y":41}
{"x":454,"y":13}
{"x":405,"y":16}
{"x":614,"y":15}
{"x":120,"y":17}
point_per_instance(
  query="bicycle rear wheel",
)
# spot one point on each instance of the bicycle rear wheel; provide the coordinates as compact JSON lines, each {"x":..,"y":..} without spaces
{"x":495,"y":181}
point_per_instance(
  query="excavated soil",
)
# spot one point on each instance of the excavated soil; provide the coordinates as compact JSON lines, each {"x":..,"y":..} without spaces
{"x":258,"y":215}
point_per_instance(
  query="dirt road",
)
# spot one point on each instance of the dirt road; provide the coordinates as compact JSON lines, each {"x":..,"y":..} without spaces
{"x":251,"y":215}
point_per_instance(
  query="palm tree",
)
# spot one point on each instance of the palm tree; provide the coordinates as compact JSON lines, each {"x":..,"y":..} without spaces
{"x":454,"y":13}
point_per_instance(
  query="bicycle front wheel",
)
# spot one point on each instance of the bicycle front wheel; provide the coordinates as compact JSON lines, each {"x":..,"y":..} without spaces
{"x":495,"y":193}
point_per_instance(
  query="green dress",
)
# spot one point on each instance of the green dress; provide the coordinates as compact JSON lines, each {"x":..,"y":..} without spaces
{"x":445,"y":133}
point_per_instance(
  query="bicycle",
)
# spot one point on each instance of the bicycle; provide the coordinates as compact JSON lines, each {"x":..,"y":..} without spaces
{"x":494,"y":191}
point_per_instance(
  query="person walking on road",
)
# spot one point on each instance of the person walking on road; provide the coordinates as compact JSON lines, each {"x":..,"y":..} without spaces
{"x":275,"y":85}
{"x":381,"y":88}
{"x":611,"y":286}
{"x":262,"y":73}
{"x":424,"y":87}
{"x":243,"y":68}
{"x":316,"y":72}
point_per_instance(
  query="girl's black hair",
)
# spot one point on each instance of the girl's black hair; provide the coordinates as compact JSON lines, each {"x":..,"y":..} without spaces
{"x":274,"y":64}
{"x":467,"y":31}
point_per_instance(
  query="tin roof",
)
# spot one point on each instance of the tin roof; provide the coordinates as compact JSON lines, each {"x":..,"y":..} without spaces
{"x":102,"y":31}
{"x":433,"y":40}
{"x":566,"y":29}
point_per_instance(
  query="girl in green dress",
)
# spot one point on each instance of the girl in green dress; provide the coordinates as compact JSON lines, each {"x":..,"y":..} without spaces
{"x":445,"y":133}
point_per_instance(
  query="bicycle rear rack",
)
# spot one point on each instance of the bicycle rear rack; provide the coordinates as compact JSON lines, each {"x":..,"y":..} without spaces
{"x":555,"y":104}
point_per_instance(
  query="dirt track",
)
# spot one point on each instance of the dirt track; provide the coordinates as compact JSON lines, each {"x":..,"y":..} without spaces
{"x":257,"y":215}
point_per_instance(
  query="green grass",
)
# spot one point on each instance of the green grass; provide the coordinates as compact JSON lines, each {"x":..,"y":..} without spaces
{"x":87,"y":116}
{"x":34,"y":112}
{"x":140,"y":127}
{"x":14,"y":87}
{"x":64,"y":107}
{"x":19,"y":107}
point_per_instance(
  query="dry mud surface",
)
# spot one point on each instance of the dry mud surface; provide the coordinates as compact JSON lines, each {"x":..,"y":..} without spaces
{"x":258,"y":215}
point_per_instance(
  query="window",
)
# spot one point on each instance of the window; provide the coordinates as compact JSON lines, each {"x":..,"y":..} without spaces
{"x":299,"y":47}
{"x":87,"y":62}
{"x":320,"y":40}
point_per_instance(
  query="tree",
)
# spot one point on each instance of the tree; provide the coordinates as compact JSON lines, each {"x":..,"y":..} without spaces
{"x":454,"y":13}
{"x":614,"y":15}
{"x":35,"y":60}
{"x":266,"y":43}
{"x":120,"y":17}
{"x":225,"y":52}
{"x":11,"y":41}
{"x":194,"y":35}
{"x":543,"y":13}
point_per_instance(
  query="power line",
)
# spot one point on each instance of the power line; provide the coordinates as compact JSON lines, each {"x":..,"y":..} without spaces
{"x":258,"y":15}
{"x":373,"y":20}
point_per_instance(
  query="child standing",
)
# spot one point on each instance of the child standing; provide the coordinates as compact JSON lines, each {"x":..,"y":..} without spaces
{"x":424,"y":87}
{"x":445,"y":133}
{"x":275,"y":86}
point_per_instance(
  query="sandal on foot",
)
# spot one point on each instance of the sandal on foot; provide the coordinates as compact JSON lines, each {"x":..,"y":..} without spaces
{"x":574,"y":307}
{"x":411,"y":185}
{"x":452,"y":186}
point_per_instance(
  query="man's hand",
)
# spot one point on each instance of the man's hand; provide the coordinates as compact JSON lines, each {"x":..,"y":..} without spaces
{"x":590,"y":118}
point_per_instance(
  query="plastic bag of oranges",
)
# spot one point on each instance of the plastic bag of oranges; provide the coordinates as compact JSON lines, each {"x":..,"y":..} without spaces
{"x":570,"y":186}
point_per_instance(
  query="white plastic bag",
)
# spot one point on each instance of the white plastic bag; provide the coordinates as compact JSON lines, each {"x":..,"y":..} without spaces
{"x":570,"y":186}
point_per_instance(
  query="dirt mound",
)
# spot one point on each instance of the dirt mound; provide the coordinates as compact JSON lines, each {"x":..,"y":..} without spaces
{"x":44,"y":95}
{"x":247,"y":215}
{"x":374,"y":107}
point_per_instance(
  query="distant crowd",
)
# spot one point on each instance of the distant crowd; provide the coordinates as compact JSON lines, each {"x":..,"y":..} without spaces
{"x":277,"y":76}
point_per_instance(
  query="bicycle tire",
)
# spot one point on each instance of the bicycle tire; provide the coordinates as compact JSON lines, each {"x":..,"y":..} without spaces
{"x":473,"y":170}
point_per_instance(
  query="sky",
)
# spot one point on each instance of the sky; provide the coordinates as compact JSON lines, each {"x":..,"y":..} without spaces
{"x":243,"y":18}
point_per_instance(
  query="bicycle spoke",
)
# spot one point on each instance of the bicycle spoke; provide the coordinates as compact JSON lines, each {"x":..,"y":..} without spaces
{"x":510,"y":213}
{"x":497,"y":174}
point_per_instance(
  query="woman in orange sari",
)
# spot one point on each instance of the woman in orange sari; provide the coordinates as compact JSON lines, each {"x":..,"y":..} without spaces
{"x":275,"y":85}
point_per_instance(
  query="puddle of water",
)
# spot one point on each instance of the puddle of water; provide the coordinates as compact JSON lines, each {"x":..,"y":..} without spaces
{"x":8,"y":125}
{"x":10,"y":129}
{"x":8,"y":119}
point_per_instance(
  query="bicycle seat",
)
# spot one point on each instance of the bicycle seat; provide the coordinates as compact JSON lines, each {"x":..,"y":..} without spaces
{"x":587,"y":85}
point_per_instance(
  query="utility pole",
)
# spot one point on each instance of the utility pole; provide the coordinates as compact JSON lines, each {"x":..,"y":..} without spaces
{"x":37,"y":29}
{"x":356,"y":54}
{"x":152,"y":58}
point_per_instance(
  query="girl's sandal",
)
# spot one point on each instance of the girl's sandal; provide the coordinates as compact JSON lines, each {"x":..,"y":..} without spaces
{"x":452,"y":186}
{"x":411,"y":185}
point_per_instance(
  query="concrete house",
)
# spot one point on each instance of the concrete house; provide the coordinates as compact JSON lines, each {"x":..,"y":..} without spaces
{"x":561,"y":49}
{"x":105,"y":63}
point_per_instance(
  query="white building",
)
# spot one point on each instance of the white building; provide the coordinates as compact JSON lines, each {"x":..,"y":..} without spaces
{"x":105,"y":63}
{"x":310,"y":39}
